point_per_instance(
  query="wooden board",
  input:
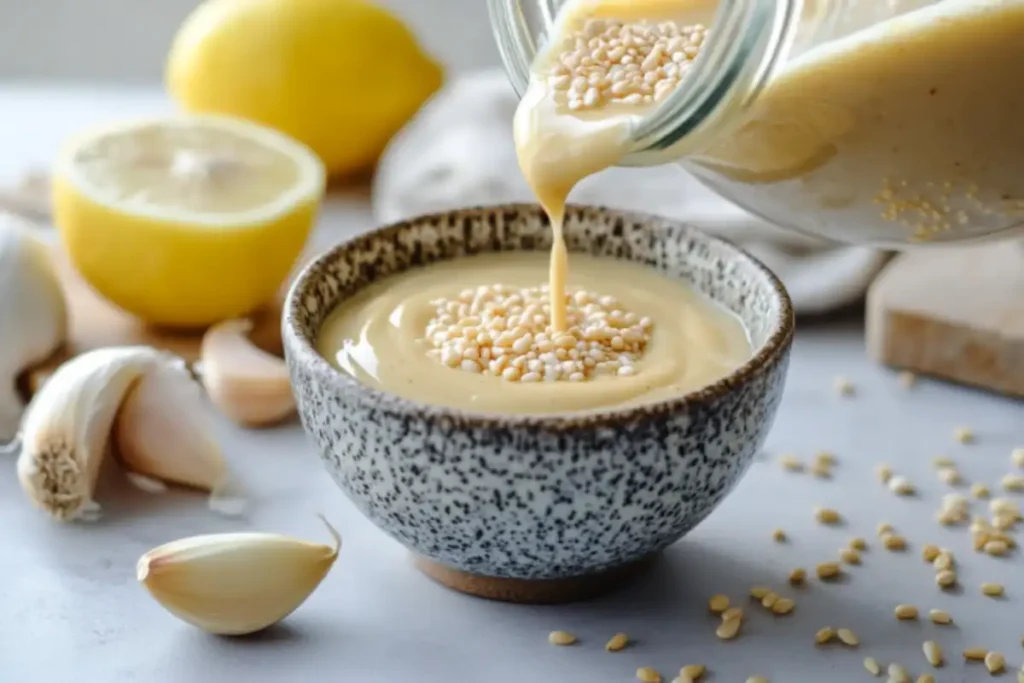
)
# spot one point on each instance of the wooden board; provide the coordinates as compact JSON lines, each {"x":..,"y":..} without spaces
{"x":95,"y":323}
{"x":955,"y":313}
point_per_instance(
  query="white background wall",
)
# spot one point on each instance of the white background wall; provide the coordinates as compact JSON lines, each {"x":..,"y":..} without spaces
{"x":125,"y":41}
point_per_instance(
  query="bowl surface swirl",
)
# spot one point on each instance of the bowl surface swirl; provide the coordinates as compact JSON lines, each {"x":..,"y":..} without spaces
{"x":543,"y":497}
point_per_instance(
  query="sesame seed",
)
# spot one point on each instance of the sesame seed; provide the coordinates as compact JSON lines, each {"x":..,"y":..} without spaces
{"x":992,"y":590}
{"x":783,"y":606}
{"x":646,"y":674}
{"x":732,"y":614}
{"x":797,"y":576}
{"x":824,"y":635}
{"x":897,"y":674}
{"x":820,"y":471}
{"x":1017,"y":457}
{"x":826,"y":458}
{"x":900,"y":485}
{"x":758,"y":592}
{"x":950,"y":476}
{"x":933,"y":653}
{"x":945,"y":578}
{"x":929,"y":552}
{"x":848,"y":637}
{"x":791,"y":463}
{"x":1012,"y":482}
{"x":884,"y":528}
{"x":996,"y":548}
{"x":995,"y":663}
{"x":849,"y":556}
{"x":872,"y":666}
{"x":691,"y":673}
{"x":963,"y":434}
{"x":894,"y":542}
{"x":561,"y":638}
{"x":926,"y":678}
{"x":718,"y":603}
{"x":827,"y":516}
{"x":843,"y":386}
{"x":940,"y":617}
{"x":769,"y":600}
{"x":883,"y":472}
{"x":779,"y":536}
{"x":942,"y":461}
{"x":828,"y":570}
{"x":858,"y":543}
{"x":617,"y":642}
{"x":975,"y":654}
{"x":979,"y":490}
{"x":728,"y":629}
{"x":905,"y":612}
{"x":943,"y":561}
{"x":757,"y":679}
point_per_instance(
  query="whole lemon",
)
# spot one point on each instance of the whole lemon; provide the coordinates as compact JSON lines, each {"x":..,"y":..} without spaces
{"x":342,"y":76}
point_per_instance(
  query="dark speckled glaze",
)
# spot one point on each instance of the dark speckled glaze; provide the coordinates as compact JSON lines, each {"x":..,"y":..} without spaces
{"x":547,"y":496}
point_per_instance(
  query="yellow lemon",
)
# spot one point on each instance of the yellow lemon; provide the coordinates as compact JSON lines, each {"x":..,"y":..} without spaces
{"x":186,"y":220}
{"x":341,"y":76}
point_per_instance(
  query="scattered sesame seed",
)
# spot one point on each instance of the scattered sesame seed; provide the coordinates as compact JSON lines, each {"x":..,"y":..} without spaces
{"x":791,"y":463}
{"x":757,"y":679}
{"x":950,"y":476}
{"x":783,"y":606}
{"x":883,"y":472}
{"x":691,"y":673}
{"x":758,"y":592}
{"x":964,"y":434}
{"x":975,"y":654}
{"x":929,"y":552}
{"x":884,"y":528}
{"x":942,"y":461}
{"x":820,"y":471}
{"x":894,"y":542}
{"x":849,"y":556}
{"x":858,"y":543}
{"x":995,"y":663}
{"x":732,"y":614}
{"x":728,"y":629}
{"x":872,"y":666}
{"x":1012,"y":482}
{"x":992,"y":590}
{"x":940,"y":617}
{"x":618,"y":642}
{"x":905,"y":612}
{"x":901,"y":486}
{"x":824,"y":635}
{"x":933,"y":653}
{"x":1020,"y":676}
{"x":828,"y":570}
{"x":979,"y":490}
{"x":1017,"y":457}
{"x":561,"y":638}
{"x":797,"y":576}
{"x":946,"y":578}
{"x":943,"y":561}
{"x":718,"y":603}
{"x":646,"y":674}
{"x":827,"y":516}
{"x":844,"y":386}
{"x":897,"y":674}
{"x":1004,"y":506}
{"x":779,"y":536}
{"x":996,"y":548}
{"x":826,"y":458}
{"x":926,"y":678}
{"x":769,"y":600}
{"x":848,"y":637}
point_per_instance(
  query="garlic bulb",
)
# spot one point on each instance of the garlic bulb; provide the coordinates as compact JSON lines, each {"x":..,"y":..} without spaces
{"x":246,"y":383}
{"x":33,"y":315}
{"x":239,"y":583}
{"x":67,"y":426}
{"x":163,"y":431}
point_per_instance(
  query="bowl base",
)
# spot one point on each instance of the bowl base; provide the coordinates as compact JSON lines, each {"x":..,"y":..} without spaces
{"x":534,"y":591}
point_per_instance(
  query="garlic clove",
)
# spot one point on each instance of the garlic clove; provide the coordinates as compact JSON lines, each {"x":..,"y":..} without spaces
{"x":245,"y":382}
{"x":33,"y":313}
{"x":236,"y":583}
{"x":66,"y":430}
{"x":163,"y":432}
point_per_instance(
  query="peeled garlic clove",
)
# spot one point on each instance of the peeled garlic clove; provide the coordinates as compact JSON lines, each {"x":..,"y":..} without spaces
{"x":67,"y":426}
{"x":234,"y":584}
{"x":33,"y":313}
{"x":245,"y":382}
{"x":162,"y":431}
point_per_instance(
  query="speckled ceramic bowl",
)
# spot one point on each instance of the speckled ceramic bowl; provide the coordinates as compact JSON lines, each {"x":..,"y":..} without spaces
{"x":549,"y":507}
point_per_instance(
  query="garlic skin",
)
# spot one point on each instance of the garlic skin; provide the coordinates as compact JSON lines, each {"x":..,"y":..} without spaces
{"x":238,"y":583}
{"x":67,"y":426}
{"x":247,"y":384}
{"x":33,"y":313}
{"x":163,"y":431}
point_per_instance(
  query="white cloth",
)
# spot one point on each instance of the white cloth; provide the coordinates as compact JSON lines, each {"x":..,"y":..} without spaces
{"x":458,"y":151}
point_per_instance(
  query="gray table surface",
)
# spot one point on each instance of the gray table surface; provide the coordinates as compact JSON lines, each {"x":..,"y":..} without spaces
{"x":70,"y":608}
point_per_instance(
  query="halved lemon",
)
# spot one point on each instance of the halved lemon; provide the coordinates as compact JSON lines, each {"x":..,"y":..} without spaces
{"x":188,"y":219}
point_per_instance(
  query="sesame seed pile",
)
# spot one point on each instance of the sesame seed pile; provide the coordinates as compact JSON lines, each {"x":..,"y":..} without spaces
{"x":506,"y":332}
{"x":628,"y":63}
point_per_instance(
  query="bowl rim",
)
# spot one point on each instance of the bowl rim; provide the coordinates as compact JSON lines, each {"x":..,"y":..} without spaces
{"x":299,"y":349}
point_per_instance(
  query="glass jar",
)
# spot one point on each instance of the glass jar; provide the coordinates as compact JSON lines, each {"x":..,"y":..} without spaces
{"x":878,"y":122}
